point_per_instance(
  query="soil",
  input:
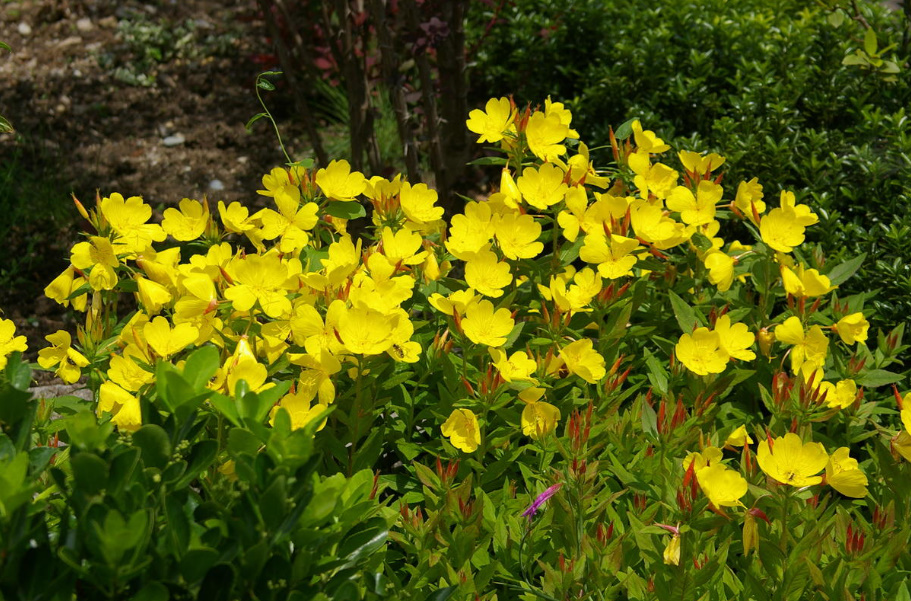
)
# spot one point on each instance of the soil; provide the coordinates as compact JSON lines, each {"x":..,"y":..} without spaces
{"x":96,"y":112}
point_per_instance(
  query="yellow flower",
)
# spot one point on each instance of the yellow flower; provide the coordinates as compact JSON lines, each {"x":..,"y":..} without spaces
{"x":808,"y":346}
{"x":292,"y":222}
{"x":906,"y":415}
{"x":672,"y":550}
{"x":9,"y":342}
{"x":695,"y":162}
{"x":699,"y":209}
{"x":542,"y":187}
{"x":128,"y":374}
{"x":853,"y":328}
{"x":166,"y":341}
{"x":545,"y":134}
{"x":708,"y":456}
{"x":749,"y":196}
{"x":188,"y":223}
{"x":841,"y":395}
{"x":128,"y":219}
{"x":612,"y":255}
{"x":723,"y":486}
{"x":338,"y":182}
{"x":517,"y":368}
{"x":152,"y":295}
{"x":235,"y":217}
{"x":123,"y":406}
{"x":844,"y":475}
{"x":457,"y":302}
{"x":791,"y":461}
{"x":583,"y":360}
{"x":492,"y":123}
{"x":738,"y":437}
{"x":65,"y":285}
{"x":721,"y":269}
{"x":735,"y":338}
{"x":486,"y":274}
{"x":647,"y":141}
{"x":539,"y":419}
{"x":470,"y":232}
{"x":657,"y":179}
{"x":805,"y":283}
{"x":366,"y":331}
{"x":260,"y":279}
{"x":96,"y":256}
{"x":484,"y":326}
{"x":299,"y":409}
{"x":462,"y":430}
{"x":279,"y":183}
{"x":652,"y":225}
{"x":418,"y":202}
{"x":702,"y":352}
{"x":517,"y":236}
{"x":67,"y":359}
{"x":403,"y":246}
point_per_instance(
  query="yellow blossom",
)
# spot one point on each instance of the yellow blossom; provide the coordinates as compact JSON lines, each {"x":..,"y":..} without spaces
{"x":539,"y":419}
{"x":187,"y":223}
{"x":64,"y":285}
{"x":612,"y":255}
{"x":791,"y":461}
{"x":702,"y":352}
{"x":128,"y":219}
{"x":749,"y":197}
{"x":545,"y":135}
{"x":493,"y":122}
{"x":462,"y":430}
{"x":9,"y":342}
{"x":736,"y":339}
{"x":483,"y":325}
{"x":517,"y":368}
{"x":542,"y":187}
{"x":166,"y":341}
{"x":721,"y":269}
{"x":723,"y":486}
{"x":647,"y":141}
{"x":853,"y":328}
{"x":62,"y":355}
{"x":844,"y":475}
{"x":583,"y":360}
{"x":338,"y":182}
{"x":811,"y":345}
{"x":805,"y":283}
{"x":97,"y":256}
{"x":486,"y":274}
{"x":418,"y":202}
{"x":122,"y":405}
{"x":738,"y":437}
{"x":698,"y":209}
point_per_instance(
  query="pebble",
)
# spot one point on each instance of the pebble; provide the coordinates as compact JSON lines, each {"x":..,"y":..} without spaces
{"x":175,"y":140}
{"x":73,"y":40}
{"x":24,"y":29}
{"x":216,"y":185}
{"x":84,"y":25}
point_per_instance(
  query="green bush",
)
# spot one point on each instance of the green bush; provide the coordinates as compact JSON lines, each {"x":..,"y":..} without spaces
{"x":763,"y":82}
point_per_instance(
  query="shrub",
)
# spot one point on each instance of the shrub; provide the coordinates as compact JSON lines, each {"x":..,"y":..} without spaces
{"x":763,"y":82}
{"x":584,"y":386}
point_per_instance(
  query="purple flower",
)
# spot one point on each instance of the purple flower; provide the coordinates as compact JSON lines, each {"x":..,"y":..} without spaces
{"x":542,"y":498}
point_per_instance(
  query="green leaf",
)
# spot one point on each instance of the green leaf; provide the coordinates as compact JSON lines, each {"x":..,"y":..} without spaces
{"x":443,"y":594}
{"x":199,"y":459}
{"x":197,"y":562}
{"x":836,"y":18}
{"x":265,"y":84}
{"x":154,"y":591}
{"x":200,"y":366}
{"x":5,"y":126}
{"x":484,"y":161}
{"x":350,"y":209}
{"x":870,"y":43}
{"x":879,"y":377}
{"x":656,"y":372}
{"x":841,"y":272}
{"x":685,"y":314}
{"x":90,"y":473}
{"x":254,"y":119}
{"x":5,"y":46}
{"x":155,"y":445}
{"x":625,"y":130}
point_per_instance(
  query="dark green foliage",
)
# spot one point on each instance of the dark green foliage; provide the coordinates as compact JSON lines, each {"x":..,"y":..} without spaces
{"x":761,"y":82}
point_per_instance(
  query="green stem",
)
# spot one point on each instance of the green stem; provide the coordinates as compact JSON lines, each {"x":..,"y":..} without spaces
{"x":783,"y":543}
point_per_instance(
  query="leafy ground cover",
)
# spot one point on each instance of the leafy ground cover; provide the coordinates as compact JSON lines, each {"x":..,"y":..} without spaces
{"x":633,"y":381}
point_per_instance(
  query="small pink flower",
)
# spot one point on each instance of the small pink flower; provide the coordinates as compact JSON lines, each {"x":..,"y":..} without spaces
{"x":542,"y":498}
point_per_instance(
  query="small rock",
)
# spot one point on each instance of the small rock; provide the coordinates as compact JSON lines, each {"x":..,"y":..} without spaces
{"x":77,"y":73}
{"x":216,"y":185}
{"x":24,"y":29}
{"x":108,"y":22}
{"x":175,"y":140}
{"x":73,"y":40}
{"x":84,"y":25}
